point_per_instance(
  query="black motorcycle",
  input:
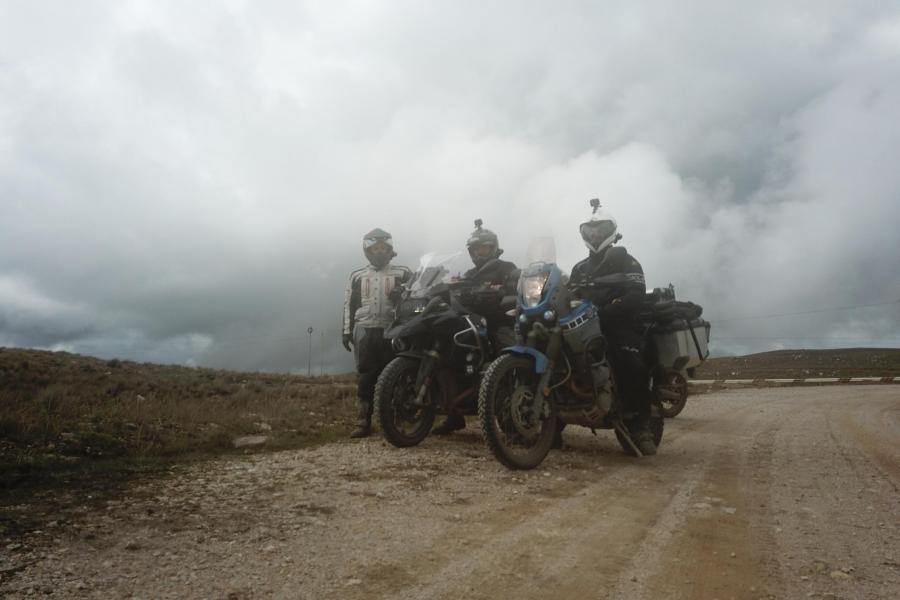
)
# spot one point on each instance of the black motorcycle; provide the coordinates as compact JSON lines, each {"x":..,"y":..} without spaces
{"x":441,"y":347}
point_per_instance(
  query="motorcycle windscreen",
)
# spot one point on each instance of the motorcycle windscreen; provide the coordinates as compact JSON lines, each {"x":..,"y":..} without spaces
{"x":541,"y":250}
{"x":436,"y":268}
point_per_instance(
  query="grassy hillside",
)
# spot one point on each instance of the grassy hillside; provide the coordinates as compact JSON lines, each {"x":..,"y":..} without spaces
{"x":59,"y":409}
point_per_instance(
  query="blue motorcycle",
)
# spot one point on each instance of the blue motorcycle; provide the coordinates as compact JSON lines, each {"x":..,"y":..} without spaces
{"x":560,"y":375}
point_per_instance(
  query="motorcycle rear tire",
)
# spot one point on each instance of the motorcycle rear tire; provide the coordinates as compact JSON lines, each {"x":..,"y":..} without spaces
{"x":674,"y":383}
{"x":401,"y":371}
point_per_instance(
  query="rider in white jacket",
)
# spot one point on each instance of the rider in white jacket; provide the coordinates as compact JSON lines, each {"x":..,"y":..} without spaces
{"x":368,"y":310}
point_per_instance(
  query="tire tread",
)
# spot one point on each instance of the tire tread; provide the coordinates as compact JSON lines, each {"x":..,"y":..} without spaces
{"x":386,"y":381}
{"x":486,"y":416}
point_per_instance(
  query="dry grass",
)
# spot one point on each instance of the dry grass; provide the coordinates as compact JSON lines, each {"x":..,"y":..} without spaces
{"x":59,"y":409}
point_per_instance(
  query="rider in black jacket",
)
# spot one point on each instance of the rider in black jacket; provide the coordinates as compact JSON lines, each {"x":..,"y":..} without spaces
{"x":491,"y":279}
{"x":619,"y":301}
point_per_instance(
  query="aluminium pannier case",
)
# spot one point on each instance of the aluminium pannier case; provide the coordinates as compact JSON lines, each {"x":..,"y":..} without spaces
{"x":681,"y":343}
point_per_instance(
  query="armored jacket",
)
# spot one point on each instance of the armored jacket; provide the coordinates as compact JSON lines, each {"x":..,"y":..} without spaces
{"x":499,"y":276}
{"x":367,"y":297}
{"x":497,"y":272}
{"x":620,"y":298}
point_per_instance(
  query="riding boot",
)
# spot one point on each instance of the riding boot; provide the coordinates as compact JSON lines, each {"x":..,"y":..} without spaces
{"x":642,"y":436}
{"x":453,"y":422}
{"x":363,"y":419}
{"x":557,"y":443}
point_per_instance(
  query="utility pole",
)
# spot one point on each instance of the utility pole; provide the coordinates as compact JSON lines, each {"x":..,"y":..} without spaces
{"x":321,"y":353}
{"x":309,"y":330}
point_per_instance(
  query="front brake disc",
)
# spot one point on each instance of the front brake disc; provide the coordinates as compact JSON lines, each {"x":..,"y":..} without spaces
{"x":525,"y":412}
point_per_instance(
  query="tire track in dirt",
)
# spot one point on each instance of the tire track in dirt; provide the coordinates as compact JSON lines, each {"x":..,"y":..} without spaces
{"x":837,"y":514}
{"x":710,"y":526}
{"x":589,"y":540}
{"x":573,"y":548}
{"x":872,"y":431}
{"x":494,"y":547}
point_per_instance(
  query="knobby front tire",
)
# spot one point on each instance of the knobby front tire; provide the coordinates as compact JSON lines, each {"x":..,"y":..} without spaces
{"x":500,"y":381}
{"x":402,"y":423}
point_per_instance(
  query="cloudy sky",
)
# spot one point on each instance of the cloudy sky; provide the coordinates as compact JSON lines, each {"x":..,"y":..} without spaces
{"x":189,"y":182}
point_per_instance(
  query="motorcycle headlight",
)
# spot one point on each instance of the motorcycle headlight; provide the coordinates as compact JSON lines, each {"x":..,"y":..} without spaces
{"x":412,"y":306}
{"x":532,"y":288}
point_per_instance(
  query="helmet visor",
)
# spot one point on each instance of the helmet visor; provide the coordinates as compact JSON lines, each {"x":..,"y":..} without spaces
{"x":372,"y":242}
{"x":595,"y":232}
{"x":377,"y":248}
{"x":482,"y":250}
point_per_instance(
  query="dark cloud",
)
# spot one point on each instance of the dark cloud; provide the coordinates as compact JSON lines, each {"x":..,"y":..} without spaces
{"x":191,"y":184}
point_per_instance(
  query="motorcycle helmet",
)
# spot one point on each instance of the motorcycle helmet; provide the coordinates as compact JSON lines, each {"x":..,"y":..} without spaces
{"x":483,"y":245}
{"x":600,"y":231}
{"x":378,"y":246}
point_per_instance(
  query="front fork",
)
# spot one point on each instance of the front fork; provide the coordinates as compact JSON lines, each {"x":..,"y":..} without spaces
{"x":554,"y":338}
{"x":424,"y":376}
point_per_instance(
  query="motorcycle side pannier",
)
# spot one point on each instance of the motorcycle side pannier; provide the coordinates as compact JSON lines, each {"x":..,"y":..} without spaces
{"x":681,"y":343}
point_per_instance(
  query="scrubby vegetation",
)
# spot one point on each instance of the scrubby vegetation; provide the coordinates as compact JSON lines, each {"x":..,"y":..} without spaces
{"x":58,"y":410}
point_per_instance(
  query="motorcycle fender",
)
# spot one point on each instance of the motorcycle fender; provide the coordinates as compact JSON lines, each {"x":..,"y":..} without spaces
{"x":540,"y":359}
{"x":411,"y":354}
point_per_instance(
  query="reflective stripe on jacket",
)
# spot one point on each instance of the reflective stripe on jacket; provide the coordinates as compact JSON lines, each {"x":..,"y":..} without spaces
{"x":367,"y":296}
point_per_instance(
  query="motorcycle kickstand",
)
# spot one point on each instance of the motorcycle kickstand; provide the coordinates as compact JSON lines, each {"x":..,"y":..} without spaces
{"x":620,"y":427}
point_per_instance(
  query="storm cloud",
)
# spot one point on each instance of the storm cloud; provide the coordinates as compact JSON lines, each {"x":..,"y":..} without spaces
{"x":190,"y":184}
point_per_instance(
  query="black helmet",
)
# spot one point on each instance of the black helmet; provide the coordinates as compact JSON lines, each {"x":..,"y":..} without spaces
{"x":378,"y":246}
{"x":600,"y":231}
{"x":483,"y":245}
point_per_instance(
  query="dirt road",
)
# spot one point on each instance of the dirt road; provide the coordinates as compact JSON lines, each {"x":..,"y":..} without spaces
{"x":777,"y":493}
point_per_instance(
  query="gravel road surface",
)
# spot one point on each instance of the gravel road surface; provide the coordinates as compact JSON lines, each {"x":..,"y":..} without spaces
{"x":775,"y":493}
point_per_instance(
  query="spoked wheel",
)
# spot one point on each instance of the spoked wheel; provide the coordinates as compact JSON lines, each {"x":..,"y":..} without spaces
{"x":656,"y":429}
{"x":517,"y":425}
{"x":404,"y":422}
{"x":671,"y":394}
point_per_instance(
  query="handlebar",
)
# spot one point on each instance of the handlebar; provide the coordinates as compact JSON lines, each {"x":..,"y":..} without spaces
{"x":432,"y":304}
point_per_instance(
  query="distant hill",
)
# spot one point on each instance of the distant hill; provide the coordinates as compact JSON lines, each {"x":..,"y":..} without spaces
{"x":798,"y":364}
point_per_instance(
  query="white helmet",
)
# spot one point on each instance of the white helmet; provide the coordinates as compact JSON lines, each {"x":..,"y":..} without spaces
{"x":600,"y":231}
